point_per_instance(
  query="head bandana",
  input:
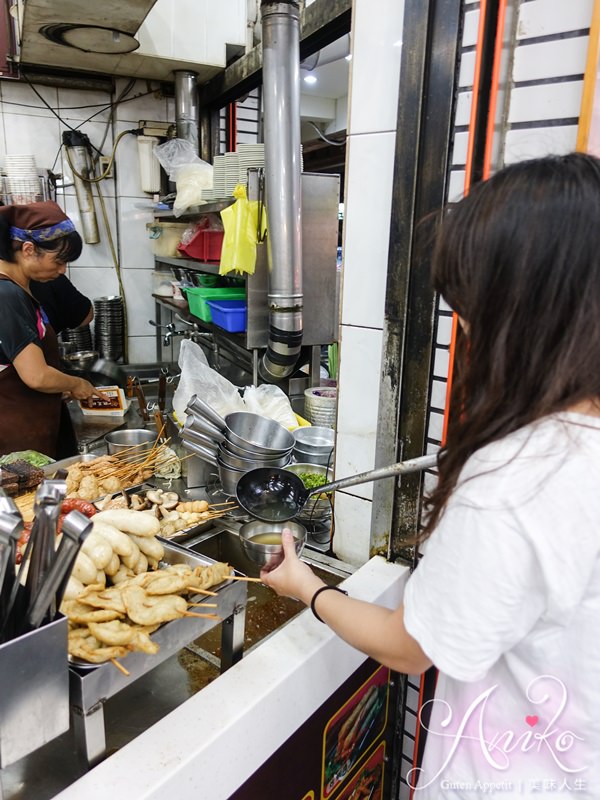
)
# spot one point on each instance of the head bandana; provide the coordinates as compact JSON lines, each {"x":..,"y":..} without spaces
{"x":37,"y":222}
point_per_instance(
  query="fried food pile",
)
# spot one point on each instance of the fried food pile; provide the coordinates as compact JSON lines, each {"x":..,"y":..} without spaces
{"x":116,"y":579}
{"x":89,"y":480}
{"x":110,"y":622}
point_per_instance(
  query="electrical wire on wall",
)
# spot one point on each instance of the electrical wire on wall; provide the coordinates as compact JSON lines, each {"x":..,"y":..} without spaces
{"x":94,"y":180}
{"x":92,"y":160}
{"x":325,"y":138}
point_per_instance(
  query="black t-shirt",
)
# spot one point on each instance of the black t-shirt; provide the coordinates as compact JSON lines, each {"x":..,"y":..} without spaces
{"x":21,"y":321}
{"x":65,"y":306}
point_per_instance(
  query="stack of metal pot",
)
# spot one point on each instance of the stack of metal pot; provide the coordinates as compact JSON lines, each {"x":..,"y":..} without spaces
{"x":235,"y":444}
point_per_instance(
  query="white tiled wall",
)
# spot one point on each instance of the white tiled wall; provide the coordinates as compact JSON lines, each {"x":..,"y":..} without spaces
{"x":373,"y":108}
{"x":28,"y":125}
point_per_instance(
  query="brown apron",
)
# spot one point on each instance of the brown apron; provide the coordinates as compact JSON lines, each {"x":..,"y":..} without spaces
{"x":29,"y":420}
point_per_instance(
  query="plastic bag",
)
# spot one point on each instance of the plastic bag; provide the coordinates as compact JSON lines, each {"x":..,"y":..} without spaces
{"x":240,"y":222}
{"x":270,"y":401}
{"x":191,"y":180}
{"x":175,"y":153}
{"x":198,"y":378}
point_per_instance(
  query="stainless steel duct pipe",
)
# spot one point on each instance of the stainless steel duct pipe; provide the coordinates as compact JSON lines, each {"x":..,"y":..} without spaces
{"x":187,"y":115}
{"x":281,"y":97}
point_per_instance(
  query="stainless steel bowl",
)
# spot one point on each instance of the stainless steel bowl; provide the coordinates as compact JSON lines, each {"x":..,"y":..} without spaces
{"x":323,"y":459}
{"x":256,"y":537}
{"x":81,"y":360}
{"x":237,"y":462}
{"x":229,"y":477}
{"x":315,"y":439}
{"x":263,"y":435}
{"x":138,"y":438}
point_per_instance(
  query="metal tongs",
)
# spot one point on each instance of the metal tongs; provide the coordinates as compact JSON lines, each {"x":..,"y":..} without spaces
{"x":11,"y":527}
{"x":35,"y":598}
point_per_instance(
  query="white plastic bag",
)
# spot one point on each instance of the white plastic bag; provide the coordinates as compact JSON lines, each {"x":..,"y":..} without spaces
{"x":270,"y":401}
{"x":191,"y":179}
{"x":198,"y":378}
{"x":174,"y":153}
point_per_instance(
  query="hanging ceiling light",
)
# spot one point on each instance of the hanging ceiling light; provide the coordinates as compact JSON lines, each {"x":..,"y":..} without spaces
{"x":90,"y":38}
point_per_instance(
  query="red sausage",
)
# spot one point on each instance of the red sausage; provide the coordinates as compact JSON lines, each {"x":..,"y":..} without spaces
{"x":76,"y":504}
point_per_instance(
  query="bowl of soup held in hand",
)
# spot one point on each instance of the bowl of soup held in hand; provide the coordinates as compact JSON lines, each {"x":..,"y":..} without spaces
{"x":261,"y":541}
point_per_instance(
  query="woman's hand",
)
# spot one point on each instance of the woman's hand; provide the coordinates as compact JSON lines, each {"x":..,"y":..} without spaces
{"x":83,"y":389}
{"x":292,"y":578}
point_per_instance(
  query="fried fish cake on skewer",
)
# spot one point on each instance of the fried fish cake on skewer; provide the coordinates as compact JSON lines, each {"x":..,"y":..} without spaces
{"x":117,"y":633}
{"x":90,"y":649}
{"x":211,"y":575}
{"x":146,"y":610}
{"x":82,"y":614}
{"x":110,"y":598}
{"x":166,"y":581}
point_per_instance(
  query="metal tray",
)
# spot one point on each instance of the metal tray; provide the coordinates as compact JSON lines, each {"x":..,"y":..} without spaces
{"x":180,"y":536}
{"x":51,"y":469}
{"x":89,"y":688}
{"x":174,"y":554}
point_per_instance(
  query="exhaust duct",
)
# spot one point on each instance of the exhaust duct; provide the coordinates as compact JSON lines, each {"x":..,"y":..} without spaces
{"x":186,"y":107}
{"x":281,"y":98}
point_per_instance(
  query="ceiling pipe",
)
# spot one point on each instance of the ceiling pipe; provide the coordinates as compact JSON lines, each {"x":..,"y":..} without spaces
{"x":281,"y":99}
{"x":328,"y":55}
{"x":187,"y":109}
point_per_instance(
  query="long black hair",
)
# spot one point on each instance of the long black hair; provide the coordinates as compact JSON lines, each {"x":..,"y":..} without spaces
{"x":519,"y":260}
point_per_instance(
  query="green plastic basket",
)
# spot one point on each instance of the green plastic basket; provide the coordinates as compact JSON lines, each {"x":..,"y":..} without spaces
{"x":198,"y":295}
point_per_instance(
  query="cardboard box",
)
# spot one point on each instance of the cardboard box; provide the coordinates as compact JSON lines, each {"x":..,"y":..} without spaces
{"x":112,"y":404}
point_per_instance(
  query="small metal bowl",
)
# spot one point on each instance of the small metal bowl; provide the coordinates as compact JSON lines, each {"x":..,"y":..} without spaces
{"x":315,"y":439}
{"x":81,"y":360}
{"x":128,"y":438}
{"x":267,"y":553}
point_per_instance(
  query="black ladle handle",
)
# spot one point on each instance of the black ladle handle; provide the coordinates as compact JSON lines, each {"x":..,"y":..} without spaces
{"x":402,"y":467}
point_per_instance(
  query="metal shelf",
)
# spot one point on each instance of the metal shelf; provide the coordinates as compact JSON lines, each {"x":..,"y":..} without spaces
{"x":189,"y":263}
{"x":196,"y":211}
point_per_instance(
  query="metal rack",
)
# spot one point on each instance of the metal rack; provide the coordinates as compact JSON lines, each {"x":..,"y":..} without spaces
{"x":320,"y":203}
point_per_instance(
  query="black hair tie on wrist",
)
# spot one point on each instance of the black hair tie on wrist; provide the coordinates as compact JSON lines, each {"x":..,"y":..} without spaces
{"x":318,"y":592}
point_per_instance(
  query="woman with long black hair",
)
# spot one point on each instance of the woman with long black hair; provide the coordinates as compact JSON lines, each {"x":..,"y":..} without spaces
{"x":506,"y":599}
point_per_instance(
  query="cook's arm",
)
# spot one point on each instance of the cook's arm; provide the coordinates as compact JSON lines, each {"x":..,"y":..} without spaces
{"x":33,"y":370}
{"x":379,"y":632}
{"x":88,"y":318}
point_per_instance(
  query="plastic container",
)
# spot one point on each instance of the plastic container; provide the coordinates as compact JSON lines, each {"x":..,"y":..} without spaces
{"x":198,"y":297}
{"x":165,"y":237}
{"x":229,"y":314}
{"x":205,"y":245}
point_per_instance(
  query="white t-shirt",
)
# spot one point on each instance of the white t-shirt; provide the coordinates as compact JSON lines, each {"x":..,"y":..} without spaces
{"x":506,"y":603}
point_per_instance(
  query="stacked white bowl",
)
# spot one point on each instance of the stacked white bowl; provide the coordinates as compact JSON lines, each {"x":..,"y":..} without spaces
{"x":23,"y":184}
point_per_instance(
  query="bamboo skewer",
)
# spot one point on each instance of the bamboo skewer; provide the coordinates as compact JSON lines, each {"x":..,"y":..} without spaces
{"x":204,"y":605}
{"x":203,"y":591}
{"x":203,"y":616}
{"x":120,"y":667}
{"x":242,"y":578}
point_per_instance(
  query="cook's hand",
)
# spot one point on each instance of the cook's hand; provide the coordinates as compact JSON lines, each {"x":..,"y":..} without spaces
{"x":292,"y":578}
{"x":82,"y":390}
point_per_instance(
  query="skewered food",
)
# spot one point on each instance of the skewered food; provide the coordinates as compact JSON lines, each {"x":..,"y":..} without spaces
{"x":88,"y":648}
{"x":147,"y":610}
{"x":117,"y":633}
{"x":130,"y":521}
{"x":78,"y":612}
